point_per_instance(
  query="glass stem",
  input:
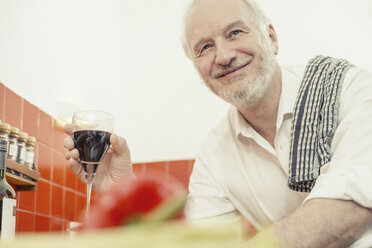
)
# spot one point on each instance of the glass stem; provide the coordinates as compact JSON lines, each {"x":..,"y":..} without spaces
{"x":89,"y":193}
{"x":90,"y":172}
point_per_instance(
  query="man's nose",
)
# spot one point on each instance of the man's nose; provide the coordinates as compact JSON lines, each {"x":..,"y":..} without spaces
{"x":225,"y":53}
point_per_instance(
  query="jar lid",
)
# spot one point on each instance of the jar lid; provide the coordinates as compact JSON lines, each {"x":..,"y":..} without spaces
{"x":31,"y":140}
{"x":14,"y":130}
{"x":5,"y":126}
{"x":23,"y":135}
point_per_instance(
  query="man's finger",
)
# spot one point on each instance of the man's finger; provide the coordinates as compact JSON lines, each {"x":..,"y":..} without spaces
{"x":76,"y":167}
{"x":69,"y":143}
{"x":74,"y":154}
{"x":69,"y":128}
{"x":119,"y":144}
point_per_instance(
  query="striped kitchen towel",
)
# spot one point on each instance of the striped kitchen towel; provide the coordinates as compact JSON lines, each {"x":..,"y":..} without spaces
{"x":315,"y":120}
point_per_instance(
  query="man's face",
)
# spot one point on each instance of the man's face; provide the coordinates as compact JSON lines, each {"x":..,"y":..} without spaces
{"x":234,"y":57}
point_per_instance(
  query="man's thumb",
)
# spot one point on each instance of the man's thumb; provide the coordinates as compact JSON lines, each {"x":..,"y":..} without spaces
{"x":119,"y":145}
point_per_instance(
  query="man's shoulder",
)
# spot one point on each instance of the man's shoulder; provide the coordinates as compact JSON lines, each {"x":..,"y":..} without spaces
{"x":357,"y":84}
{"x":358,"y":73}
{"x":220,"y":143}
{"x":226,"y":125}
{"x":295,"y":70}
{"x":223,"y":132}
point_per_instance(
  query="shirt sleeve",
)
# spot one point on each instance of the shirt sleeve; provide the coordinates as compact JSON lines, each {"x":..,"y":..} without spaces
{"x":348,"y":176}
{"x":207,"y":201}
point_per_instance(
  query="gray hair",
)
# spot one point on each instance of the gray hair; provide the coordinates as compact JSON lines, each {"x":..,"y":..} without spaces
{"x":259,"y":17}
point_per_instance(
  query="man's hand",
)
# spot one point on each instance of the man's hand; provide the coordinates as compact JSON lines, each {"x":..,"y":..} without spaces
{"x":115,"y":165}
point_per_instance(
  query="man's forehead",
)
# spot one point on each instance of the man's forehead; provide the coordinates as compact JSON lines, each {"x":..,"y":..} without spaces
{"x":206,"y":18}
{"x":211,"y":6}
{"x":207,"y":10}
{"x":196,"y":3}
{"x":210,"y":14}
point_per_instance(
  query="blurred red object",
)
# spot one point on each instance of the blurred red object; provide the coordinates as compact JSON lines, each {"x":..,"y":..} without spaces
{"x":145,"y":198}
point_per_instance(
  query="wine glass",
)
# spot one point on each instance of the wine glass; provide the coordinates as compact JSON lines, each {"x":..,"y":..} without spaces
{"x":91,"y":135}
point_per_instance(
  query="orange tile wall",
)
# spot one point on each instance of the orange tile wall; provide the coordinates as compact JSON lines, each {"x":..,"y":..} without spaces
{"x":60,"y":196}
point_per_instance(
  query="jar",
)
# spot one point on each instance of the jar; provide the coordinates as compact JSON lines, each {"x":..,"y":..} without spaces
{"x":30,"y":154}
{"x":4,"y":132}
{"x":13,"y":143}
{"x":21,"y":153}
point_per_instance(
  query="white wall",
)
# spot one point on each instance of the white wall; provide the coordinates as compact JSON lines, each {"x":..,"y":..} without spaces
{"x":125,"y":57}
{"x":340,"y":28}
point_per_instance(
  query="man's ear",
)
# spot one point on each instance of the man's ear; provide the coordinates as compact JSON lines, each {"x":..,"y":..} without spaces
{"x":274,"y":39}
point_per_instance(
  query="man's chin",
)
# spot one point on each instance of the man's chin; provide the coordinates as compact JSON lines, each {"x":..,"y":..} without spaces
{"x":230,"y":91}
{"x":241,"y":96}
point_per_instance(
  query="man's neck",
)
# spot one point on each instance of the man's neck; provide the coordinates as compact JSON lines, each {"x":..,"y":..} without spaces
{"x":263,"y":115}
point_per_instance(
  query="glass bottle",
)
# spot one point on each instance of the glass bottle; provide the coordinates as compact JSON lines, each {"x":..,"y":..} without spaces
{"x":13,"y":143}
{"x":5,"y":189}
{"x":7,"y":194}
{"x":21,"y":154}
{"x":30,"y":152}
{"x":4,"y":131}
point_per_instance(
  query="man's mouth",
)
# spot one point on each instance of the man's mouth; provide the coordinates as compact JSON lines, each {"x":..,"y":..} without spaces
{"x":230,"y":69}
{"x":228,"y":72}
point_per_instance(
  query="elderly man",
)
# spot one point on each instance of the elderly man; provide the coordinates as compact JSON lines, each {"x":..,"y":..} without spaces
{"x":294,"y":149}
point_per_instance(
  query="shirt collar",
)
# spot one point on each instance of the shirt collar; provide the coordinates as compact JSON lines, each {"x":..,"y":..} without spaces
{"x":291,"y":80}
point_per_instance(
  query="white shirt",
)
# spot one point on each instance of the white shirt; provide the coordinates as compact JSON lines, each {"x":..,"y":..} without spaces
{"x":238,"y":171}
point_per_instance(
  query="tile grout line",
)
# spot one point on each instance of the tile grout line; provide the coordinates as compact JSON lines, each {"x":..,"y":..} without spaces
{"x":22,"y":109}
{"x":61,"y":186}
{"x":42,"y":215}
{"x":51,"y":217}
{"x":37,"y":156}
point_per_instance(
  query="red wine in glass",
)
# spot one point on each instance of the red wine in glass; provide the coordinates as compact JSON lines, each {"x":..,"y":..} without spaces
{"x":92,"y":146}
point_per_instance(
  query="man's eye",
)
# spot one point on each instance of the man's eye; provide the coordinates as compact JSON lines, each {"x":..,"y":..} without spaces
{"x":235,"y":32}
{"x":206,"y":47}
